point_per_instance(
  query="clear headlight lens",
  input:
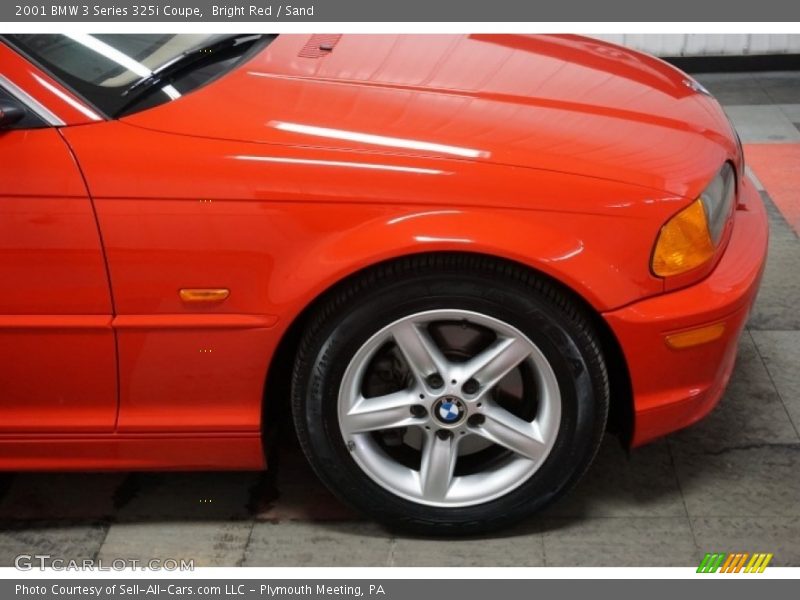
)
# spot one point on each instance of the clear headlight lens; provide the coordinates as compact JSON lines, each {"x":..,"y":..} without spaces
{"x":690,"y":238}
{"x":718,"y":200}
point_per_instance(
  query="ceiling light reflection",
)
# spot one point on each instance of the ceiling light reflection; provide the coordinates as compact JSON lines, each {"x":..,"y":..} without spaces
{"x":69,"y":99}
{"x":428,"y":238}
{"x":378,"y":140}
{"x":569,"y":253}
{"x":427,"y":213}
{"x":337,"y":163}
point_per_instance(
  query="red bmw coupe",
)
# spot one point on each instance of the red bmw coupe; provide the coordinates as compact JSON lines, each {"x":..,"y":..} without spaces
{"x":458,"y":260}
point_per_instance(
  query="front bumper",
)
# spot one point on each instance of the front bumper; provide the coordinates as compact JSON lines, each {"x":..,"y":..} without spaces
{"x":673,"y":388}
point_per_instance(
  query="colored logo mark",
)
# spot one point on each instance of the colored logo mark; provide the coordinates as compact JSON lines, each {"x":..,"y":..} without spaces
{"x":739,"y":562}
{"x":449,"y":412}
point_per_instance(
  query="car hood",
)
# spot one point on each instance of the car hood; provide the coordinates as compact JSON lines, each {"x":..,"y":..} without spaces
{"x":560,"y":103}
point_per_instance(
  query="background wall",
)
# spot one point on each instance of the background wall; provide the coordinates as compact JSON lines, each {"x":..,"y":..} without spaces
{"x":713,"y":44}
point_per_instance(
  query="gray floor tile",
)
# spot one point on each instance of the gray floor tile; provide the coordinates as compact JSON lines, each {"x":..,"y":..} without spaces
{"x":779,"y":536}
{"x":524,"y":550}
{"x":734,"y":88}
{"x":750,"y":412}
{"x":776,"y":306}
{"x":792,"y":111}
{"x":787,"y":74}
{"x":60,"y":539}
{"x":754,"y":480}
{"x":303,"y":544}
{"x":618,"y":485}
{"x":208,"y":543}
{"x":762,"y":124}
{"x":782,"y":88}
{"x":635,"y":542}
{"x":780,"y":351}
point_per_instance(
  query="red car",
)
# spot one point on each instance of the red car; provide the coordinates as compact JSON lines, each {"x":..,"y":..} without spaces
{"x":458,"y":259}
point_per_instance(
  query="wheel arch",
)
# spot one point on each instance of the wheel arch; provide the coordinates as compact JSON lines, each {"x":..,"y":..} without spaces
{"x":277,"y":387}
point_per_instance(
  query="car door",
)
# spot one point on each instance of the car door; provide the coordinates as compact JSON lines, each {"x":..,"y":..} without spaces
{"x":57,"y":352}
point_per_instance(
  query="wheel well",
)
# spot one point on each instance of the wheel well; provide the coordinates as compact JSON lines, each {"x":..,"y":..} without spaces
{"x":277,"y":389}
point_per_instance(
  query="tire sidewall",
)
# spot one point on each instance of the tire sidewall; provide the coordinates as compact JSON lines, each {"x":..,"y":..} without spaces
{"x":550,"y":329}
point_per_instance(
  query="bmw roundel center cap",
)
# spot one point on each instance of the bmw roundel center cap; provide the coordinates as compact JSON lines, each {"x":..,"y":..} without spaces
{"x":449,"y":410}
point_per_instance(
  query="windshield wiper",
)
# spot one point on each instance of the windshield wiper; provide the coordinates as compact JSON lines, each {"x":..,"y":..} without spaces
{"x":184,"y":62}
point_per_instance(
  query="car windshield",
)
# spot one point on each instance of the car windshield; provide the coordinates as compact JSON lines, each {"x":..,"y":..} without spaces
{"x":109,"y":71}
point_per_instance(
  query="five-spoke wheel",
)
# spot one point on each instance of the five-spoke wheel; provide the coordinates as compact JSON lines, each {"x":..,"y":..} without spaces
{"x":452,"y":394}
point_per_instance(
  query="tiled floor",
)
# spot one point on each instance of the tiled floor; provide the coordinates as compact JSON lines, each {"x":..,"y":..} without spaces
{"x":731,"y":483}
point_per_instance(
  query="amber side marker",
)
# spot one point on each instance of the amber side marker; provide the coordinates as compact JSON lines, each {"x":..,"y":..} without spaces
{"x":695,"y":337}
{"x":204,"y":294}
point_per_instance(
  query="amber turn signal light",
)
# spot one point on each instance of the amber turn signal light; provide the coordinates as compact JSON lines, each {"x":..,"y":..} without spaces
{"x":204,"y":294}
{"x":684,"y":242}
{"x":695,"y":337}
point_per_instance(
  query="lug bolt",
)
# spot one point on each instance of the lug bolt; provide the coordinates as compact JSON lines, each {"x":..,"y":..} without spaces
{"x":470,"y":386}
{"x":444,"y":434}
{"x":418,"y":410}
{"x":435,"y":381}
{"x":476,"y":420}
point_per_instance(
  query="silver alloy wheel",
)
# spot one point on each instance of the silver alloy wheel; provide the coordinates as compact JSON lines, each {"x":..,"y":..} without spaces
{"x":448,"y":413}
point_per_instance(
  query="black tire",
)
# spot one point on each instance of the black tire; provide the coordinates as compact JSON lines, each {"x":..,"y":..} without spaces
{"x":548,"y":315}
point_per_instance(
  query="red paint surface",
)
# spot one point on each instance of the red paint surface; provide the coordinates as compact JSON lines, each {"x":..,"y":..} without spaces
{"x":674,"y":388}
{"x":58,"y":369}
{"x":571,"y":170}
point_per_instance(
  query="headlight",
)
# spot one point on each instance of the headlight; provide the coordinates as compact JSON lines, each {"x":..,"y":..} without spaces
{"x":690,"y":238}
